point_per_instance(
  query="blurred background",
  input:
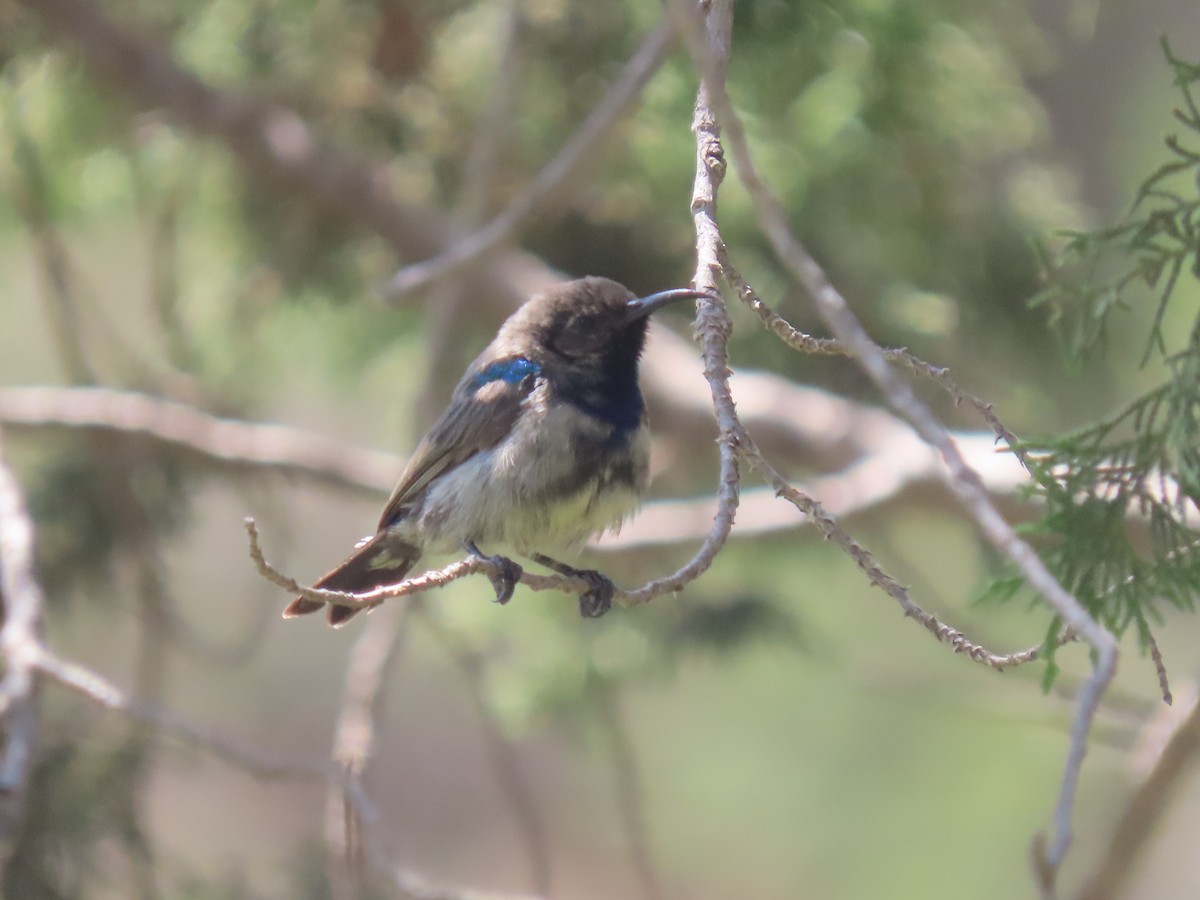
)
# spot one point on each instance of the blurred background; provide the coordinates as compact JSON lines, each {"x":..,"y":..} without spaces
{"x":776,"y":730}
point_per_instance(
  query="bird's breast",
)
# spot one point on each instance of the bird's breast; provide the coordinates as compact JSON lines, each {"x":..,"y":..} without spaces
{"x":560,"y":476}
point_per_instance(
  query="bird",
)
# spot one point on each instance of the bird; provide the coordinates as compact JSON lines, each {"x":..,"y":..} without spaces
{"x":544,"y":443}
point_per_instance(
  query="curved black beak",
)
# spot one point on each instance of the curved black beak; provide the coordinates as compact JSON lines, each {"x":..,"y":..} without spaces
{"x":639,"y":307}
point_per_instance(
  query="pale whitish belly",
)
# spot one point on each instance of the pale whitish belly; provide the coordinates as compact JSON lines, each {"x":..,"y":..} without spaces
{"x":504,"y":498}
{"x":477,"y":502}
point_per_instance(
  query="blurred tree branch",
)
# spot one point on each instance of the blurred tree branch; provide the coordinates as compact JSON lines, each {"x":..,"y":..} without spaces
{"x":582,"y":146}
{"x":20,"y":636}
{"x":501,"y":752}
{"x":275,"y":145}
{"x":708,"y":39}
{"x":354,"y":742}
{"x":26,"y":657}
{"x":1147,"y":804}
{"x":886,"y":458}
{"x":206,"y":437}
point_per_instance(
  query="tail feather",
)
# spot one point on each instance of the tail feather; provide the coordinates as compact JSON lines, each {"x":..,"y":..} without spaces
{"x":377,"y":562}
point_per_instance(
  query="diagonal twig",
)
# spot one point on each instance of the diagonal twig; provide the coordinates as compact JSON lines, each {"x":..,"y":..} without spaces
{"x":434,"y":578}
{"x":581,"y":146}
{"x":501,"y":752}
{"x":805,"y":343}
{"x":710,"y":251}
{"x":260,"y":764}
{"x":1145,"y":808}
{"x":628,"y":786}
{"x":709,"y":47}
{"x":831,"y":531}
{"x":354,"y":740}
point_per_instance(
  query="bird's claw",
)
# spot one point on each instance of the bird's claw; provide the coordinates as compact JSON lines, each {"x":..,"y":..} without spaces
{"x":504,"y":575}
{"x":598,"y":598}
{"x":501,"y":571}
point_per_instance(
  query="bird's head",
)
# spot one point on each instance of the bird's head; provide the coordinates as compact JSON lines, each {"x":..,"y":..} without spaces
{"x":588,"y":322}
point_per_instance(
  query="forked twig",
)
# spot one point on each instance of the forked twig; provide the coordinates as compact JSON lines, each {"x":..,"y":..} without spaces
{"x":708,"y":43}
{"x":579,"y":147}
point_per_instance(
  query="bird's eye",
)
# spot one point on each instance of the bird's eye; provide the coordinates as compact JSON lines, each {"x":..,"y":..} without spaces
{"x":580,"y":333}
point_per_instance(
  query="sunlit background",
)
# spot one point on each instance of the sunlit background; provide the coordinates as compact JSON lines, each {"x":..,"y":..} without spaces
{"x":779,"y":727}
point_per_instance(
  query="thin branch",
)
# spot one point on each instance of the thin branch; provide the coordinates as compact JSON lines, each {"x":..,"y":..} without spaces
{"x":804,"y":343}
{"x":1144,"y":810}
{"x":712,"y":328}
{"x":501,"y":753}
{"x":23,"y":609}
{"x":831,"y":531}
{"x":902,"y":463}
{"x":628,"y":790}
{"x":435,"y":578}
{"x":446,"y":299}
{"x":238,"y":443}
{"x":272,"y":143}
{"x":32,"y":193}
{"x":1160,"y":666}
{"x":367,"y":599}
{"x":595,"y":131}
{"x":966,"y":484}
{"x":354,"y":740}
{"x":253,"y":760}
{"x":258,"y":763}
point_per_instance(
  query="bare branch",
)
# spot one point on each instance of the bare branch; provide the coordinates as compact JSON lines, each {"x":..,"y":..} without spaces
{"x":21,"y":635}
{"x":1145,"y":809}
{"x":830,"y":530}
{"x":629,"y":790}
{"x":710,"y":52}
{"x":501,"y":753}
{"x":1160,"y":667}
{"x":288,"y":450}
{"x":259,"y":763}
{"x":591,"y":135}
{"x":31,"y":192}
{"x":354,"y":739}
{"x":712,"y":328}
{"x":367,"y":599}
{"x":903,"y":463}
{"x":798,"y":340}
{"x":427,"y":581}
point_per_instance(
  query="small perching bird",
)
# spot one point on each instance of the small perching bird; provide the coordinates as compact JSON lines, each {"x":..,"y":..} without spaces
{"x":544,"y":443}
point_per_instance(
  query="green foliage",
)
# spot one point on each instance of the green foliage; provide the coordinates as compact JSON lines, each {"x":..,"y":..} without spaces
{"x":1097,"y":273}
{"x":1136,"y":472}
{"x":1138,"y":467}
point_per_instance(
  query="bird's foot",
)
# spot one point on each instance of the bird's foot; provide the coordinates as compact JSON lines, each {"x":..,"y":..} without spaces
{"x":501,"y":571}
{"x":597,"y":599}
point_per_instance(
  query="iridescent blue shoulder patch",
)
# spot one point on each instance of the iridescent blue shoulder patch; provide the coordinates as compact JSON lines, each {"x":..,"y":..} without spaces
{"x":510,"y":371}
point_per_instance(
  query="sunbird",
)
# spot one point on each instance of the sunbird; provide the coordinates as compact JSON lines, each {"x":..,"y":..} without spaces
{"x":544,"y":443}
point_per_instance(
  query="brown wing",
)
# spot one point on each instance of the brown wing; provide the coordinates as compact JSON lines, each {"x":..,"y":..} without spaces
{"x":478,"y":418}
